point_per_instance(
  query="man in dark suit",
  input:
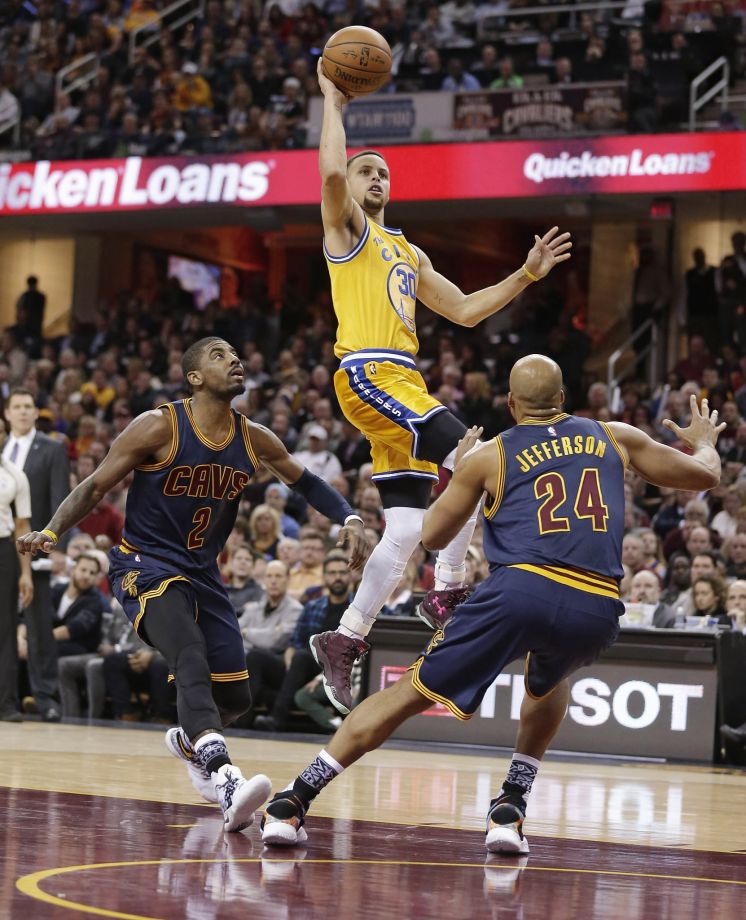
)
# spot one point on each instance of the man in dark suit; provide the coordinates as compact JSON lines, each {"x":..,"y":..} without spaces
{"x":47,"y":468}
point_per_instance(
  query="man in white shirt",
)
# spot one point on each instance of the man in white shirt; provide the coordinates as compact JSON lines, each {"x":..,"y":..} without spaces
{"x":316,"y":458}
{"x":14,"y":491}
{"x":47,"y":468}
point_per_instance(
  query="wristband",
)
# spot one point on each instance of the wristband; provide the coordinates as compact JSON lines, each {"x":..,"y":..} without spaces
{"x":528,"y":274}
{"x":353,"y":517}
{"x":51,"y":534}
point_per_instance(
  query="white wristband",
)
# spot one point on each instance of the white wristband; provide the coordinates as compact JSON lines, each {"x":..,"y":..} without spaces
{"x":353,"y":517}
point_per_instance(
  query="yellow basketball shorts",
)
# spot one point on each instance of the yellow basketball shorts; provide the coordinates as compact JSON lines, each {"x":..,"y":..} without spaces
{"x":384,"y":396}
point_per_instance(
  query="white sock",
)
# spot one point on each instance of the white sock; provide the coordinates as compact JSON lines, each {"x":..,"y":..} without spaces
{"x":450,"y":567}
{"x":383,"y":569}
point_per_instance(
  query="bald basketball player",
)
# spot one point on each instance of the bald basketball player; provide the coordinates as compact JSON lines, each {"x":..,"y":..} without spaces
{"x":553,"y":536}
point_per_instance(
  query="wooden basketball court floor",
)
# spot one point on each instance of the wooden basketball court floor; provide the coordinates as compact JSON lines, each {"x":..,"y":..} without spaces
{"x":102,"y":821}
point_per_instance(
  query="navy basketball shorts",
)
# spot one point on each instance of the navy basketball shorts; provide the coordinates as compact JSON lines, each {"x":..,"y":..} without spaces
{"x":514,"y":614}
{"x":136,"y":578}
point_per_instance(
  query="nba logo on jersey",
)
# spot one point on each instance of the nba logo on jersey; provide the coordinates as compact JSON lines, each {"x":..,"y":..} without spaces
{"x":552,"y":430}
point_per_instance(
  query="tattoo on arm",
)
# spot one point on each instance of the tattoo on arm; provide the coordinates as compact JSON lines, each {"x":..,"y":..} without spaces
{"x":74,"y":508}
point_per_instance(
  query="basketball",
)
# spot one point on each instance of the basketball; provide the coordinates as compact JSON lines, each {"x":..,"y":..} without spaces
{"x":357,"y":60}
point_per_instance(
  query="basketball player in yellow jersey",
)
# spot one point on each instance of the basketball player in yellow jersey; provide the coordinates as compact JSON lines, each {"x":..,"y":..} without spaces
{"x":376,"y":278}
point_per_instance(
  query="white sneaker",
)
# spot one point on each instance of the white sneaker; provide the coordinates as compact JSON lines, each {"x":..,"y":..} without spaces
{"x":238,"y":797}
{"x":284,"y":828}
{"x":180,"y":747}
{"x":505,"y":830}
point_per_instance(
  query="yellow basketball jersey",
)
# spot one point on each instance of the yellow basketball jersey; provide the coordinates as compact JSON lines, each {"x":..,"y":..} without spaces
{"x":374,"y":290}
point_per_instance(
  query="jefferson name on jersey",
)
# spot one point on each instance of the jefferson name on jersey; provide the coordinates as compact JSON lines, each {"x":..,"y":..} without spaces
{"x":556,"y":448}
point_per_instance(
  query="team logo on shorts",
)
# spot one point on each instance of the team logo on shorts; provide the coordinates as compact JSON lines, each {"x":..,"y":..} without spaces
{"x":128,"y":583}
{"x":437,"y":638}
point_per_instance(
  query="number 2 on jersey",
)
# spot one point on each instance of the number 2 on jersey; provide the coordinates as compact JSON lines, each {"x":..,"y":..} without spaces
{"x":201,"y":519}
{"x":589,"y":501}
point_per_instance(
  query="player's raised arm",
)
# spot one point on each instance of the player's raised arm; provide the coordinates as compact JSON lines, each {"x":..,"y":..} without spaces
{"x":666,"y":466}
{"x":445,"y":298}
{"x":143,"y":438}
{"x":337,"y":206}
{"x":270,"y":450}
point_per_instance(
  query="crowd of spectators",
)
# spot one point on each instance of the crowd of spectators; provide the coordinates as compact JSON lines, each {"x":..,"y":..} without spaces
{"x":239,"y":76}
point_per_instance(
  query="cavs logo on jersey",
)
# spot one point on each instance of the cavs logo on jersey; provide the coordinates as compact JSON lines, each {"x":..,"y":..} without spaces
{"x":129,"y":583}
{"x":438,"y":637}
{"x":402,"y":291}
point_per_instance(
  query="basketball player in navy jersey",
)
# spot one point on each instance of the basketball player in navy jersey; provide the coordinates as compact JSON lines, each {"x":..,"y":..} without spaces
{"x":553,"y":536}
{"x":191,"y":461}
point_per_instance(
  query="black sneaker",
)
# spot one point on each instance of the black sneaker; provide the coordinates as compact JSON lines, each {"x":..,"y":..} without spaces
{"x":283,"y":819}
{"x":505,"y":826}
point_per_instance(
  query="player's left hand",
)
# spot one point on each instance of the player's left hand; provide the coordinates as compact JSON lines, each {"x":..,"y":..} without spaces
{"x":25,"y":590}
{"x":469,"y":440}
{"x":352,"y":540}
{"x":547,"y":251}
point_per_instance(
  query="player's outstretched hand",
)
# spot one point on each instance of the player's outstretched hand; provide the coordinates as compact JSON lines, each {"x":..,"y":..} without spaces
{"x":328,"y":88}
{"x":353,"y":541}
{"x":35,"y":541}
{"x":469,"y":440}
{"x":547,"y":251}
{"x":703,"y":428}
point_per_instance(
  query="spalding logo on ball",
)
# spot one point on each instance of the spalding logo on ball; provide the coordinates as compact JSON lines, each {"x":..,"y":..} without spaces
{"x":357,"y":60}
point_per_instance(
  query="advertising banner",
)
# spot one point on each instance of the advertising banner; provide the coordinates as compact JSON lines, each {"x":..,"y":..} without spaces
{"x":543,"y":110}
{"x":424,"y":172}
{"x":645,"y":709}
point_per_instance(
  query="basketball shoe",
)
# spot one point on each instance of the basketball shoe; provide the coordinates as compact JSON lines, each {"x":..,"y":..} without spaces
{"x":438,"y":605}
{"x":283,"y":819}
{"x":181,"y":748}
{"x":336,"y":655}
{"x":238,"y":797}
{"x":505,"y":825}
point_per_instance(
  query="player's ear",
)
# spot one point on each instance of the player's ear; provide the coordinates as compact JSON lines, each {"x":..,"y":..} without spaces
{"x":563,"y":396}
{"x":194,"y":378}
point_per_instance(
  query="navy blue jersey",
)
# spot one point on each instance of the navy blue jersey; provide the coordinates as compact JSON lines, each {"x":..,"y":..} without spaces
{"x":182,"y":509}
{"x":560,"y":498}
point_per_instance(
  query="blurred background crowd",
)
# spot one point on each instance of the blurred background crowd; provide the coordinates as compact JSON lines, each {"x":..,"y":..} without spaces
{"x":238,"y":76}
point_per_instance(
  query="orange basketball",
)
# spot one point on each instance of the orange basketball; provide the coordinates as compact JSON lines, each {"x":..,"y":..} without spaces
{"x":357,"y":60}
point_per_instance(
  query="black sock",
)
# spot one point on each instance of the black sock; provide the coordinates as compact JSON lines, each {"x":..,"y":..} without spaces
{"x":318,"y":774}
{"x":212,"y":753}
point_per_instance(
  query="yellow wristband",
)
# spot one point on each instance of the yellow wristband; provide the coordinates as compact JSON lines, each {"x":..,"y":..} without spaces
{"x":51,"y":534}
{"x":528,"y":274}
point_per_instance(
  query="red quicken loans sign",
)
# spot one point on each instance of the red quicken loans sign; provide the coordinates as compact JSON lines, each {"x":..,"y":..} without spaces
{"x":433,"y":172}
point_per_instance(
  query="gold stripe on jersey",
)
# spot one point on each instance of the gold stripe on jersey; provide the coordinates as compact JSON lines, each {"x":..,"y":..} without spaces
{"x":156,"y":592}
{"x":615,"y":443}
{"x":152,"y":467}
{"x":374,"y":292}
{"x":545,"y":421}
{"x":489,"y":511}
{"x":203,"y":437}
{"x":580,"y":579}
{"x":247,"y":441}
{"x":435,"y":697}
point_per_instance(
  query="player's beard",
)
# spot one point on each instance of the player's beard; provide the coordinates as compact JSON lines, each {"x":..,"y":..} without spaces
{"x":373,"y":205}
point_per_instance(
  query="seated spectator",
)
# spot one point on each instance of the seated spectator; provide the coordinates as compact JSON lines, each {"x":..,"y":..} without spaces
{"x":708,"y":594}
{"x":633,"y":552}
{"x":132,"y":672}
{"x":288,"y":551}
{"x":487,"y":66}
{"x":105,"y":519}
{"x":646,"y":589}
{"x":276,"y":496}
{"x":353,"y":449}
{"x":192,"y":90}
{"x":736,"y":556}
{"x":735,"y":604}
{"x":77,"y":609}
{"x":265,"y":531}
{"x":77,"y":672}
{"x":241,"y":586}
{"x":562,"y":71}
{"x":725,"y":521}
{"x":641,"y":95}
{"x":318,"y":616}
{"x":317,"y":459}
{"x":267,"y":625}
{"x":459,"y":80}
{"x":507,"y":78}
{"x":696,"y":515}
{"x":314,"y":702}
{"x":652,"y":551}
{"x":306,"y":576}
